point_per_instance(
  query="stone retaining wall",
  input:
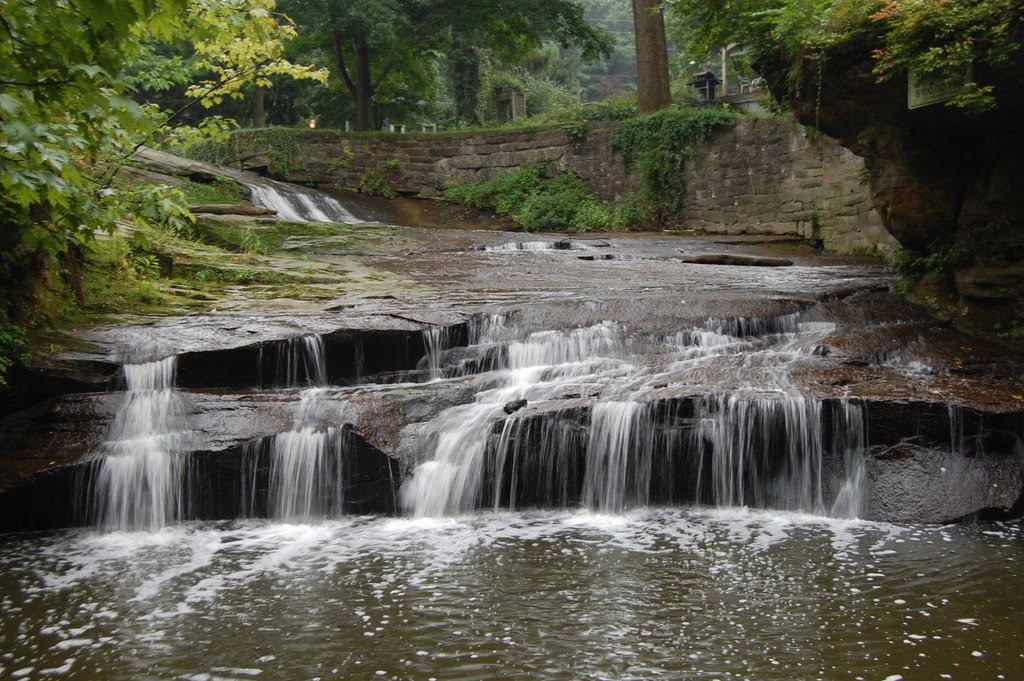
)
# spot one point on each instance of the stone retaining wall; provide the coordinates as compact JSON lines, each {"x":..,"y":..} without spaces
{"x":423,"y":165}
{"x":773,"y":176}
{"x":763,"y":176}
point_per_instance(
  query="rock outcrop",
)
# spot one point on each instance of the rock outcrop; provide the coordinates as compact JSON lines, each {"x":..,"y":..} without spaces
{"x":943,"y":180}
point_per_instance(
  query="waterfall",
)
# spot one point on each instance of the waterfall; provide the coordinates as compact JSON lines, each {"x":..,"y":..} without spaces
{"x":761,"y":443}
{"x":304,"y":467}
{"x":450,"y":482}
{"x":436,"y":339}
{"x":302,"y":360}
{"x":140,"y":471}
{"x":618,"y":461}
{"x":452,"y":478}
{"x":296,"y":203}
{"x":764,"y":451}
{"x":303,"y":471}
{"x":848,"y":434}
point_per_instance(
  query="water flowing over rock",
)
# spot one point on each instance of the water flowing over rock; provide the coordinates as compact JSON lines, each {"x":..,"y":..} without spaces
{"x":140,"y":472}
{"x":303,"y":474}
{"x":292,"y":202}
{"x":616,"y":448}
{"x":521,"y":378}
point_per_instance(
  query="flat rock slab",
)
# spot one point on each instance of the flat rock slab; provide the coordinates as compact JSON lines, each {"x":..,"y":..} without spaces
{"x":913,"y":372}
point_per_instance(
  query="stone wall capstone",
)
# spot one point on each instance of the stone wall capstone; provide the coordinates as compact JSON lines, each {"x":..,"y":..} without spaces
{"x":763,"y":176}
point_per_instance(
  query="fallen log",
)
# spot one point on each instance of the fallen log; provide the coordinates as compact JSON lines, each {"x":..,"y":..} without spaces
{"x":231,"y":209}
{"x":737,"y":260}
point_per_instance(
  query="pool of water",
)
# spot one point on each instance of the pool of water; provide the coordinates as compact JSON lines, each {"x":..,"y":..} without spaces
{"x":660,"y":593}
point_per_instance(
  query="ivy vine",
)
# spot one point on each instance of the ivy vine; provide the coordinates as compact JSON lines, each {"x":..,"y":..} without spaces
{"x":658,"y":145}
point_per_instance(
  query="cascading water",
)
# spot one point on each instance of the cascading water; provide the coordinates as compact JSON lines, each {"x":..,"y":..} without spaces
{"x":302,"y":361}
{"x":764,"y":450}
{"x":300,"y":204}
{"x":140,"y":473}
{"x":436,"y":339}
{"x":759,"y":443}
{"x":618,"y":461}
{"x":306,"y":478}
{"x":450,"y":481}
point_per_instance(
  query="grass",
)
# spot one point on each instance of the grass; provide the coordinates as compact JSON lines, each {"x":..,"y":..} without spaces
{"x":220,"y":191}
{"x":151,"y":271}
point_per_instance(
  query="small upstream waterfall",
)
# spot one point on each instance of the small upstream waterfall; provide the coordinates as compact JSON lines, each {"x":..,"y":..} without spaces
{"x":763,"y":444}
{"x":293,"y":202}
{"x":306,"y":478}
{"x":140,"y":473}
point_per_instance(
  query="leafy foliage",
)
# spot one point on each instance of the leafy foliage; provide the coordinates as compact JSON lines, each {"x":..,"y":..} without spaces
{"x":12,"y":343}
{"x":67,"y":119}
{"x":535,"y":201}
{"x":381,"y":48}
{"x":941,"y":260}
{"x":238,"y":42}
{"x":934,"y":37}
{"x":574,"y":120}
{"x":658,"y":145}
{"x":923,"y":36}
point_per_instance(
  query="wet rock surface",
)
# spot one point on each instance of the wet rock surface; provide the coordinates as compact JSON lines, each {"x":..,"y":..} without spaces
{"x":943,"y":411}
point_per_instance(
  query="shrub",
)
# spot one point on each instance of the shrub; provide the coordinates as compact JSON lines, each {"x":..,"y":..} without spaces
{"x":535,"y":201}
{"x":12,"y":345}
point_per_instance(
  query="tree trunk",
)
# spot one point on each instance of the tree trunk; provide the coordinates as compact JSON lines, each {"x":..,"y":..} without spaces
{"x":364,"y":88}
{"x":464,"y":75}
{"x":361,"y":87}
{"x":651,"y":56}
{"x":259,"y":113}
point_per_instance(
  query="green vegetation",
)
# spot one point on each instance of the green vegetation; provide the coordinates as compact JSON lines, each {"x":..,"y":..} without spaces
{"x":219,"y":191}
{"x":12,"y":345}
{"x":68,"y":121}
{"x":927,"y":37}
{"x":152,"y":270}
{"x":658,"y":145}
{"x":536,"y":201}
{"x":940,"y":261}
{"x":279,"y":143}
{"x":574,"y":120}
{"x":1013,"y":332}
{"x":383,"y":50}
{"x":83,"y":85}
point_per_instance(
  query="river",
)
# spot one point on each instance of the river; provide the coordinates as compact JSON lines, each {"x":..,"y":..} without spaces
{"x":615,"y":464}
{"x":659,"y":593}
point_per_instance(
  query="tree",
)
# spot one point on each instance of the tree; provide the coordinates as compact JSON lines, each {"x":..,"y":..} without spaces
{"x":651,"y":56}
{"x":373,"y":41}
{"x":928,"y":37}
{"x":67,"y":114}
{"x":617,"y":74}
{"x":224,"y":50}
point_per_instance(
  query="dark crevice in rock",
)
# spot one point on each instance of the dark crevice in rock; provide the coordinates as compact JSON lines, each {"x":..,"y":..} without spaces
{"x":226,"y":484}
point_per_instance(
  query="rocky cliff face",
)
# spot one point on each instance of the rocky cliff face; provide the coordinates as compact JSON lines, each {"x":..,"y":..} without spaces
{"x":941,"y":179}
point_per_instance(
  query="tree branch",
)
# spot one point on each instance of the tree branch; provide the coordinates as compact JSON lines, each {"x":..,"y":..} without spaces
{"x":339,"y":57}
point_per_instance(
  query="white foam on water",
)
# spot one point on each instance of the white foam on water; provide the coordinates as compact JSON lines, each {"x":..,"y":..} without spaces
{"x":140,"y":471}
{"x":642,"y":583}
{"x":297,"y":203}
